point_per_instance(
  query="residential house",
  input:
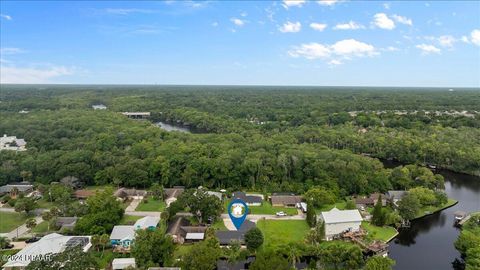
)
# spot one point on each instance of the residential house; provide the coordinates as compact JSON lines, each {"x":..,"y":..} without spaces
{"x":12,"y":143}
{"x":125,"y":193}
{"x":249,"y":199}
{"x":122,"y":236}
{"x":340,"y":221}
{"x":362,"y":202}
{"x":15,"y":188}
{"x":181,"y":231}
{"x":374,"y":197}
{"x":66,"y":223}
{"x":171,"y":194}
{"x":395,"y":195}
{"x":123,"y":263}
{"x":226,"y":237}
{"x":49,"y":244}
{"x":285,"y":199}
{"x":99,"y":107}
{"x":83,"y":194}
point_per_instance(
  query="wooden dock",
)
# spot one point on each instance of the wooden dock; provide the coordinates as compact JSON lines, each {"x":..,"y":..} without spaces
{"x":463,"y":220}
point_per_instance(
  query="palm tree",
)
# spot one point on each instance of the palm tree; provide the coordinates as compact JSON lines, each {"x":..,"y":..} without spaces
{"x":95,"y":240}
{"x":104,"y":238}
{"x":47,"y":216}
{"x":31,"y":223}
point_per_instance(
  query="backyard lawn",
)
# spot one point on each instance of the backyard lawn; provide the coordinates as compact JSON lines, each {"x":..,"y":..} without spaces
{"x":340,"y":205}
{"x":278,"y":232}
{"x":129,"y":220}
{"x":266,"y":209}
{"x":432,"y":209}
{"x":219,"y":225}
{"x":41,"y":228}
{"x":151,"y":205}
{"x":42,"y":203}
{"x":385,"y":233}
{"x":10,"y":221}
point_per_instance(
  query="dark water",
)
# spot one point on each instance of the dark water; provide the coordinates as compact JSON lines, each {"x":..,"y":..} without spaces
{"x":428,"y":243}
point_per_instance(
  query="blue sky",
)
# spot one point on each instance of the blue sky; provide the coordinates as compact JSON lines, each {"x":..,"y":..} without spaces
{"x":371,"y":43}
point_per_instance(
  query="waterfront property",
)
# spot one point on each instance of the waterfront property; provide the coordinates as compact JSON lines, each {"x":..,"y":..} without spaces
{"x":340,"y":221}
{"x":50,"y":244}
{"x":395,"y":195}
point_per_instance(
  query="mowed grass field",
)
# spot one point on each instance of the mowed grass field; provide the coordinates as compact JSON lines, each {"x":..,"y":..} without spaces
{"x":151,"y":205}
{"x":379,"y":233}
{"x":279,"y":232}
{"x":9,"y":221}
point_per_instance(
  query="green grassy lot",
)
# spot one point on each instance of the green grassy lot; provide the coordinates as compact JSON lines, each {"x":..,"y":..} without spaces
{"x":41,"y":228}
{"x":9,"y":221}
{"x":265,"y":209}
{"x":432,"y":209}
{"x":151,"y":205}
{"x":181,"y":250}
{"x":108,"y":255}
{"x":278,"y":232}
{"x":129,"y":220}
{"x":42,"y":203}
{"x":340,"y":205}
{"x":379,"y":233}
{"x":219,"y":225}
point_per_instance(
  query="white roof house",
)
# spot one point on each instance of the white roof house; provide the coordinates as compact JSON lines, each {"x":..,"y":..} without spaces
{"x":51,"y":243}
{"x":99,"y":107}
{"x":146,"y":223}
{"x":122,"y":232}
{"x":122,"y":263}
{"x":12,"y":143}
{"x":339,"y":221}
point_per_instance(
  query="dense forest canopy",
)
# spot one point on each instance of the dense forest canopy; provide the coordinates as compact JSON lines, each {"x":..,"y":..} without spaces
{"x":269,"y":138}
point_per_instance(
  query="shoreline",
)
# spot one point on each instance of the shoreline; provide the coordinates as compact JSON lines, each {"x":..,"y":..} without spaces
{"x":436,"y":211}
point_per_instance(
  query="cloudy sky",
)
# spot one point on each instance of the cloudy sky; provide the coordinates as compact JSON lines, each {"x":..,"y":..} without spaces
{"x":374,"y":43}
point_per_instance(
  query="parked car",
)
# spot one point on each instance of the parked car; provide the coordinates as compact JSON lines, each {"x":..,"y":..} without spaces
{"x":9,"y":246}
{"x":281,"y":214}
{"x":31,"y":240}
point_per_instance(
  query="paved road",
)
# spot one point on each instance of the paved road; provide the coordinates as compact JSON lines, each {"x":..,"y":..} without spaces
{"x":22,"y":229}
{"x":272,"y":217}
{"x":143,"y":214}
{"x":133,"y":205}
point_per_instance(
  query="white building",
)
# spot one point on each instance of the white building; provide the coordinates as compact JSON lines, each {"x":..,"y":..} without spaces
{"x":339,"y":221}
{"x":12,"y":143}
{"x":49,"y":244}
{"x":99,"y":107}
{"x":123,"y":263}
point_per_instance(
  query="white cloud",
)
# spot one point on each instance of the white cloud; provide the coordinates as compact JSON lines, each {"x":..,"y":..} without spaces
{"x":349,"y":47}
{"x":335,"y":62}
{"x":237,"y":22}
{"x":465,"y":39}
{"x":381,"y":20}
{"x":345,"y":49}
{"x":446,"y":41}
{"x":9,"y":51}
{"x":327,"y":2}
{"x":11,"y":74}
{"x":428,"y":49}
{"x":290,"y":27}
{"x":351,"y":25}
{"x":475,"y":37}
{"x":127,"y":11}
{"x":6,"y":17}
{"x":244,"y":14}
{"x":293,"y":3}
{"x":311,"y":51}
{"x":318,"y":26}
{"x":402,"y":19}
{"x":386,"y":5}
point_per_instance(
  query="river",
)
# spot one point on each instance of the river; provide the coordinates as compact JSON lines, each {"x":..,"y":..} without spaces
{"x":428,"y":243}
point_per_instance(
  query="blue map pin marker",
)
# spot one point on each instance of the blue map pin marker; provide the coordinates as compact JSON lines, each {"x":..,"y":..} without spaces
{"x":238,"y":211}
